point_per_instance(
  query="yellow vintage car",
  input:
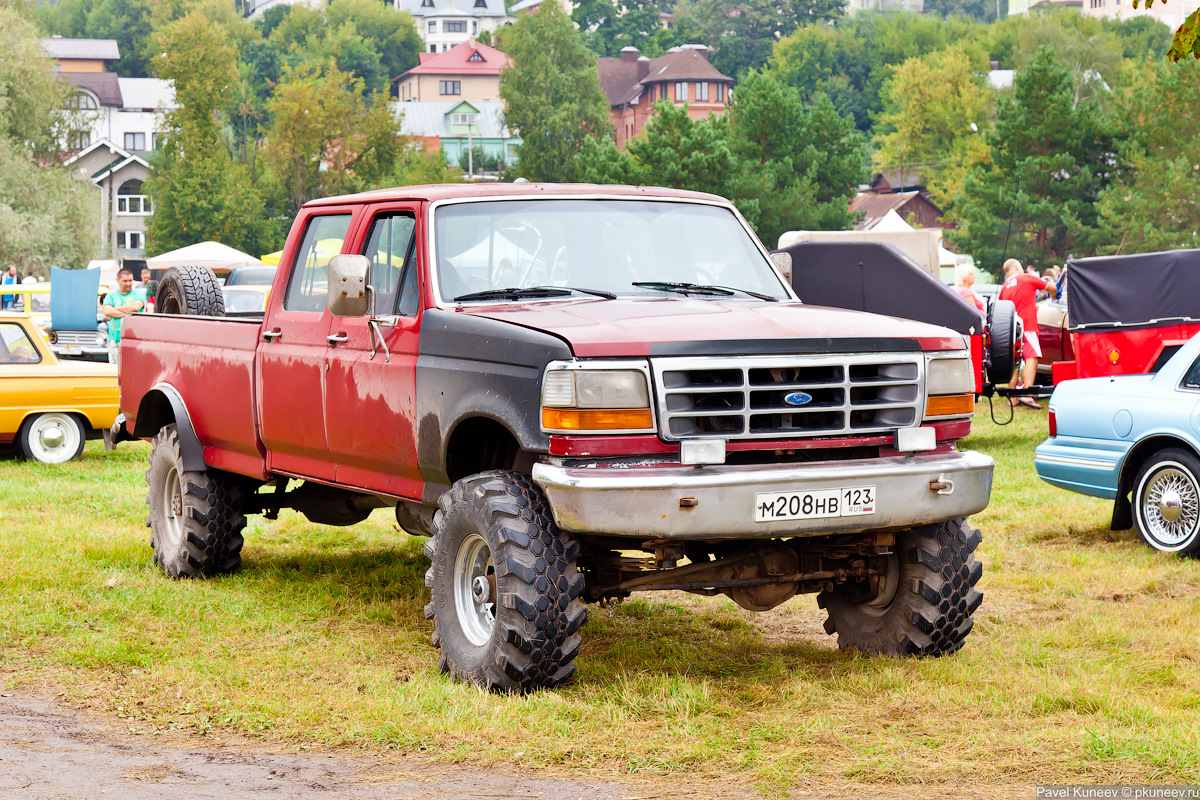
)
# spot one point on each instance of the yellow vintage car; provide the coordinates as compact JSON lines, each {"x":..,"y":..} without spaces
{"x":50,"y":407}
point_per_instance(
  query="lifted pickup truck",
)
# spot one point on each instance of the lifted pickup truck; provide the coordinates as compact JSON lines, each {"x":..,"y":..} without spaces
{"x":577,"y":392}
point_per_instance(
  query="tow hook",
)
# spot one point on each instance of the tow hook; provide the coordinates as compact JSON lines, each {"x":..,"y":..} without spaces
{"x":941,"y":485}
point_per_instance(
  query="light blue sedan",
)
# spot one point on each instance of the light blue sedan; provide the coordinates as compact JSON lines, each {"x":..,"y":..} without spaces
{"x":1133,"y":435}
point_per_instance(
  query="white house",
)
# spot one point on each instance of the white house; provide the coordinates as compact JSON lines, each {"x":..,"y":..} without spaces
{"x":122,"y":120}
{"x":442,"y":24}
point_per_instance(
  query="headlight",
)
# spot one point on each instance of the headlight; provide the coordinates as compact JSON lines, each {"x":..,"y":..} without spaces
{"x":592,"y":400}
{"x":949,"y":387}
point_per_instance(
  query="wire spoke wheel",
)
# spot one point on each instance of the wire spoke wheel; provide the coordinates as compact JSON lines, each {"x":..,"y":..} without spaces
{"x":1168,"y":503}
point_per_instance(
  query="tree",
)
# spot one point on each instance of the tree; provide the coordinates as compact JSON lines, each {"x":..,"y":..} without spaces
{"x":1153,"y":205}
{"x":46,"y":215}
{"x":1048,"y":161}
{"x":935,"y":107}
{"x":801,"y":165}
{"x":551,"y":93}
{"x":742,"y":34}
{"x":199,"y":192}
{"x":1187,"y":36}
{"x":786,"y":166}
{"x":326,"y":139}
{"x":416,"y":165}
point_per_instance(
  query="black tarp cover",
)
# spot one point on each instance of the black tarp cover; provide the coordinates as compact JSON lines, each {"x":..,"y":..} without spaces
{"x":879,"y":278}
{"x":1134,"y":290}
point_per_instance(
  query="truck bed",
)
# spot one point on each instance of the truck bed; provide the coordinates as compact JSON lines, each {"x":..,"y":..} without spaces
{"x":201,"y":357}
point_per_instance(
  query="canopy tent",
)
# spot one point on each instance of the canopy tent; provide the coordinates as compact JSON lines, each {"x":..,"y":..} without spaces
{"x":218,"y":257}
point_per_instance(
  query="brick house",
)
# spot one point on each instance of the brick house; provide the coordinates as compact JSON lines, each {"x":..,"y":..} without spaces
{"x":469,"y":71}
{"x":632,"y":83}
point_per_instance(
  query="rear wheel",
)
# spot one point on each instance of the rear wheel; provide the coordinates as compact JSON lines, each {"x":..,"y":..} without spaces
{"x":504,"y":587}
{"x":196,"y":518}
{"x":1166,"y":502}
{"x":190,"y":290}
{"x":922,"y":605}
{"x":53,"y":438}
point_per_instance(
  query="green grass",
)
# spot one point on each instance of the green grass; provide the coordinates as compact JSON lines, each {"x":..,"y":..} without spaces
{"x":1083,"y":665}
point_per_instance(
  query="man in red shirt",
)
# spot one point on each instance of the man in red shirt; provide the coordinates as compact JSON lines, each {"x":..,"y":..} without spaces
{"x":1021,"y":288}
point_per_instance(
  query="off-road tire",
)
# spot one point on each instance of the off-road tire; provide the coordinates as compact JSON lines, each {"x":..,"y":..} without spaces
{"x":1004,"y":339}
{"x":537,"y":611}
{"x":190,"y":290}
{"x":1170,"y":468}
{"x":196,"y":518}
{"x":935,"y":596}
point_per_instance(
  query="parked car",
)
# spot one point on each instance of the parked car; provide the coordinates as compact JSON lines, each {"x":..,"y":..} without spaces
{"x":251,"y":276}
{"x":49,"y":407}
{"x":545,"y":379}
{"x":1128,"y":314}
{"x":1054,"y":335}
{"x":1133,"y":436}
{"x":245,"y":299}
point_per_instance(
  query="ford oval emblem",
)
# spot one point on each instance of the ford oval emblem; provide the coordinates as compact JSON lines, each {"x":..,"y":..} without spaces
{"x":797,"y":398}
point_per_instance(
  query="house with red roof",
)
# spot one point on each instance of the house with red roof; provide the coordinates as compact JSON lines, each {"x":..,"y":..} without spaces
{"x":469,"y":71}
{"x":633,"y":83}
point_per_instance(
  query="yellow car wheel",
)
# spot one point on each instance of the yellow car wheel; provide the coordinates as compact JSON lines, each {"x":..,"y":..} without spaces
{"x":51,"y":438}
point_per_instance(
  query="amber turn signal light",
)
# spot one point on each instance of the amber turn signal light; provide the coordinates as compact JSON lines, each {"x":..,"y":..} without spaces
{"x":596,"y":419}
{"x":943,"y":405}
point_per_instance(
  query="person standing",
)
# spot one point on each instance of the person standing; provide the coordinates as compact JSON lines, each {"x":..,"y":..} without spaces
{"x":1021,"y":288}
{"x":10,"y":278}
{"x":966,"y":286}
{"x":119,"y":304}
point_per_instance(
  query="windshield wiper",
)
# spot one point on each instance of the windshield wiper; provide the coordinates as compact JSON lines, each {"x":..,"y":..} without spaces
{"x":515,"y":293}
{"x":596,"y":292}
{"x":533,"y":291}
{"x":700,"y":288}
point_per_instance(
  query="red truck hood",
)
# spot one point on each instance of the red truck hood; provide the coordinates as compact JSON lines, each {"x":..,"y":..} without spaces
{"x":632,"y":326}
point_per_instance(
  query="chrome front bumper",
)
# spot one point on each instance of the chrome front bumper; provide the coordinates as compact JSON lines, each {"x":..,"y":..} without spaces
{"x":718,"y":502}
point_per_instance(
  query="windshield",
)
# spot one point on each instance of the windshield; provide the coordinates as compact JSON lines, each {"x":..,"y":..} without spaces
{"x":598,"y":245}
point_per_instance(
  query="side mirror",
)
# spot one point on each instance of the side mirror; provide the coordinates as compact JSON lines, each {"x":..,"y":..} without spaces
{"x":783,"y":264}
{"x":348,"y":285}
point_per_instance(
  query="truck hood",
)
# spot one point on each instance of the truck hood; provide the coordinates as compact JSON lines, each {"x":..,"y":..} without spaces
{"x":645,"y":326}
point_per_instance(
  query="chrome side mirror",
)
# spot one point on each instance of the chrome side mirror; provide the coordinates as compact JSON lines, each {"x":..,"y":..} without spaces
{"x":783,"y":264}
{"x":348,"y":285}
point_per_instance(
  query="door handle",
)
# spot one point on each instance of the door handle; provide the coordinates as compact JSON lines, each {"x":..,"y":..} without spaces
{"x":272,"y":334}
{"x":334,"y":338}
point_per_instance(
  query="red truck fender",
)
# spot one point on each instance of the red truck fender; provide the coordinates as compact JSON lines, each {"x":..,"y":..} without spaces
{"x":162,"y":406}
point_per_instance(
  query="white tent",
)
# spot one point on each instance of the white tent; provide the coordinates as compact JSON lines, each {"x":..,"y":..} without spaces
{"x":214,"y":255}
{"x":891,"y":222}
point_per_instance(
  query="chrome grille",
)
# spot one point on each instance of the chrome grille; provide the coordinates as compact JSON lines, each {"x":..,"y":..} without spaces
{"x":78,"y":338}
{"x":743,"y":397}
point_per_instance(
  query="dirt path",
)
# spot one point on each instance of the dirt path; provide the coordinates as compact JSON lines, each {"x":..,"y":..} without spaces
{"x":51,"y":751}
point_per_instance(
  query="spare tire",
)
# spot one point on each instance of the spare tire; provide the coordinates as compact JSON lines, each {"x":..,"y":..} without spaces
{"x":1004,"y":341}
{"x":190,"y":290}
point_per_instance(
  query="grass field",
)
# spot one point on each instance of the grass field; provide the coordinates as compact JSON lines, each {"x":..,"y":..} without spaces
{"x":1084,"y":664}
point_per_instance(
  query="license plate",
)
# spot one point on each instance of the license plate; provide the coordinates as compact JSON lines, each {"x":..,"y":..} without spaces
{"x":844,"y":502}
{"x":73,"y":349}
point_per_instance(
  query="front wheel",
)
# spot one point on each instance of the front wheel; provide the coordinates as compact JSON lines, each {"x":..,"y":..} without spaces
{"x":196,"y":518}
{"x":1166,"y":502}
{"x":922,"y":605}
{"x":504,"y":587}
{"x":51,"y":438}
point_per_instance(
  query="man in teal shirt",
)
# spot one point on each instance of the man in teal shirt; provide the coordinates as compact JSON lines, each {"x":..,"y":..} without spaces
{"x":117,"y":305}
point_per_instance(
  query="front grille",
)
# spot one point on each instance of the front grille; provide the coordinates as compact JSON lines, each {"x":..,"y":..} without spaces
{"x":77,"y":338}
{"x":744,"y":397}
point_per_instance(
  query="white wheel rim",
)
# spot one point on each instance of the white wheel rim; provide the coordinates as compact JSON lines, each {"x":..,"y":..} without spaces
{"x":53,"y":438}
{"x":473,"y":584}
{"x":1169,"y":505}
{"x":172,"y":504}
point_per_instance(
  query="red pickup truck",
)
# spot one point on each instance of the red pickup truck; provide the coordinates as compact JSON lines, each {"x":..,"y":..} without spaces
{"x":577,"y":392}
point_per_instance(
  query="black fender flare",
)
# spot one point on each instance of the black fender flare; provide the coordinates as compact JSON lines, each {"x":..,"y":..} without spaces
{"x":163,"y":405}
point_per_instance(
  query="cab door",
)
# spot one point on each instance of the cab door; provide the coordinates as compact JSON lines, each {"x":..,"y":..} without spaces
{"x":290,"y":361}
{"x":370,"y":397}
